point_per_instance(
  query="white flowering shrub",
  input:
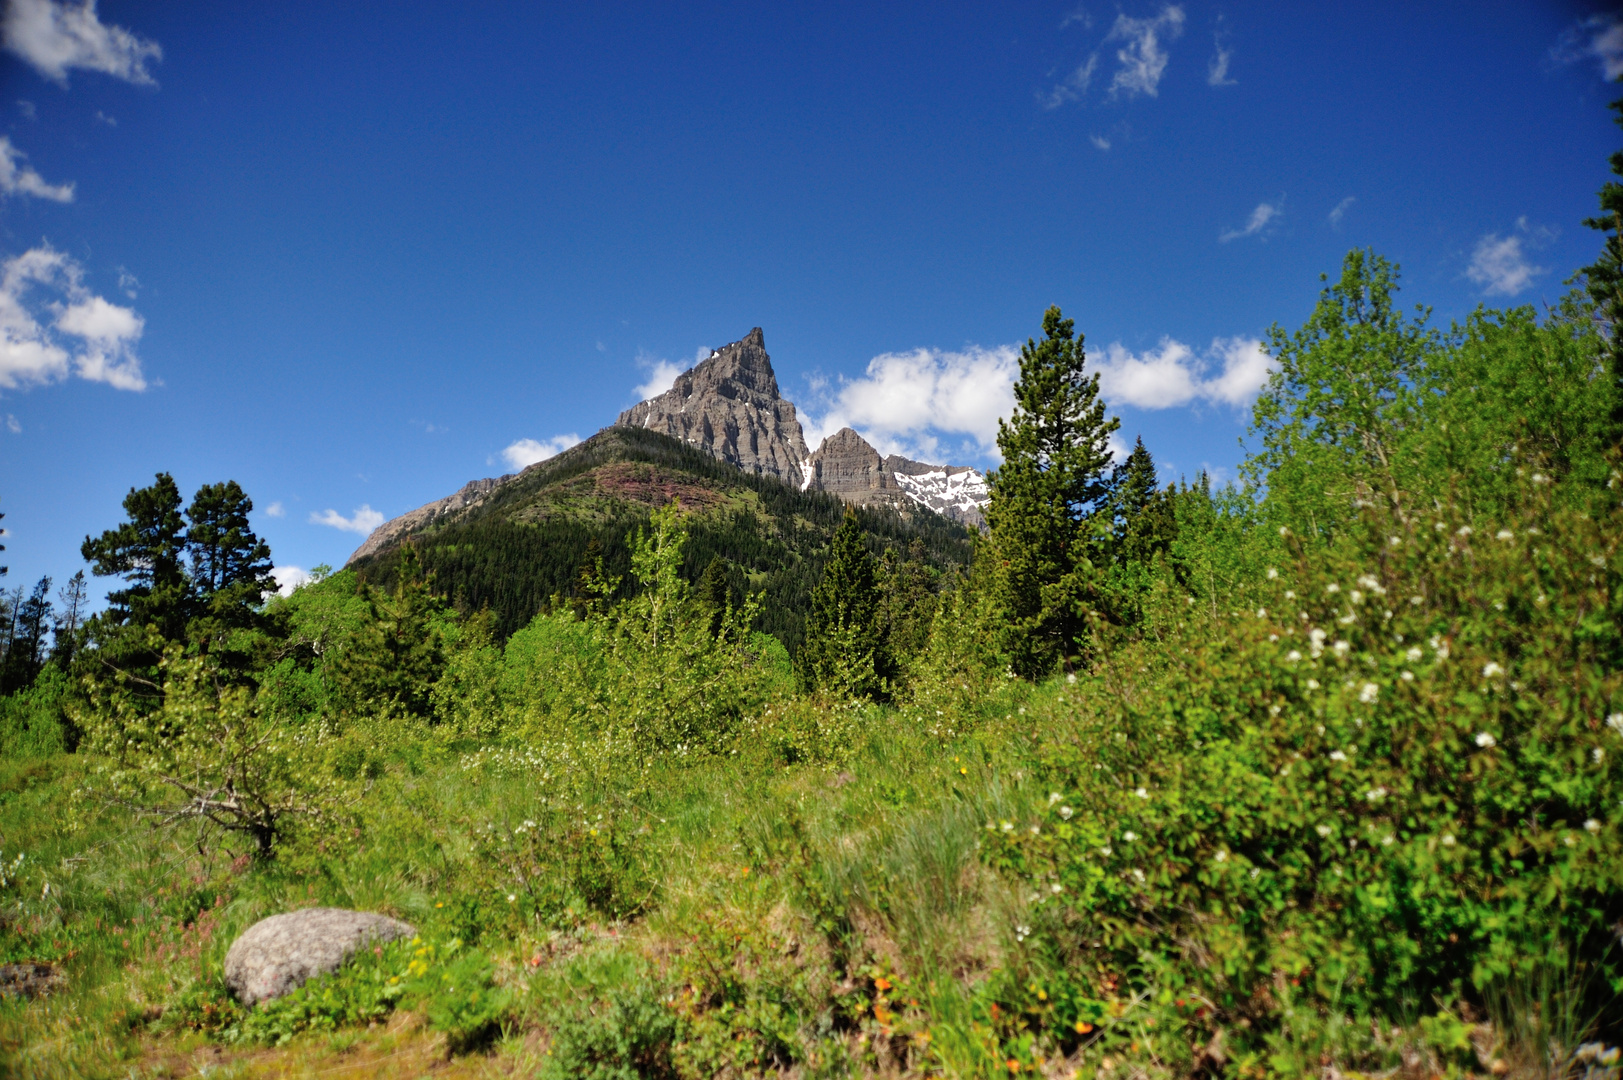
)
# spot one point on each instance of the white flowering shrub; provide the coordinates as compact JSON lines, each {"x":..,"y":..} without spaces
{"x":1395,"y":787}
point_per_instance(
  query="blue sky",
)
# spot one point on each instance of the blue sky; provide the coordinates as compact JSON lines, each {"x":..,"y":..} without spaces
{"x":355,"y":255}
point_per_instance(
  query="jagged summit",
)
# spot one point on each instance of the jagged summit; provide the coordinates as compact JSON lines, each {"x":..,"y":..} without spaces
{"x":729,"y":405}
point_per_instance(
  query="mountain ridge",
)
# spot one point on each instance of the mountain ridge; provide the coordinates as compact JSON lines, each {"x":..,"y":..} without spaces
{"x":730,"y":406}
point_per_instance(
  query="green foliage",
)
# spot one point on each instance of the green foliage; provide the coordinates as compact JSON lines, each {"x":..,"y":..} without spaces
{"x":845,"y":652}
{"x":1397,"y":783}
{"x":208,"y":753}
{"x":33,"y":722}
{"x":1044,"y":497}
{"x":1604,"y":279}
{"x":610,"y":1021}
{"x":521,"y":550}
{"x":388,"y":666}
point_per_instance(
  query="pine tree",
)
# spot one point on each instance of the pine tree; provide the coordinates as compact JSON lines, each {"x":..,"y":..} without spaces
{"x":712,"y":593}
{"x":66,"y":639}
{"x":148,"y":551}
{"x":1605,"y":277}
{"x":1044,"y":497}
{"x":1144,"y":523}
{"x":25,"y":652}
{"x":844,"y":651}
{"x":389,"y":666}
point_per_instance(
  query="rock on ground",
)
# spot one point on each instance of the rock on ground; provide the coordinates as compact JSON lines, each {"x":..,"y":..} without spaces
{"x":277,"y":955}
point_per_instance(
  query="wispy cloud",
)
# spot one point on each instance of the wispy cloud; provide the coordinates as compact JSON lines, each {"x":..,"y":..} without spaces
{"x":1230,"y":372}
{"x":1099,"y":142}
{"x":1598,"y":38}
{"x":1262,"y":219}
{"x":1079,"y":17}
{"x":275,"y":510}
{"x":1500,"y":264}
{"x":1217,"y":69}
{"x":57,"y":36}
{"x":523,"y":453}
{"x":363,"y":521}
{"x":1074,"y":85}
{"x":51,"y":325}
{"x":12,"y":425}
{"x":128,"y":283}
{"x":1143,"y":57}
{"x":662,"y":374}
{"x":18,"y":179}
{"x":1339,"y":211}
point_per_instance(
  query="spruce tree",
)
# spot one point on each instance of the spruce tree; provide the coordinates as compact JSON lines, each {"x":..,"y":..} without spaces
{"x":1044,"y":497}
{"x":712,"y":593}
{"x":844,"y":650}
{"x":1144,"y":523}
{"x":1604,"y":278}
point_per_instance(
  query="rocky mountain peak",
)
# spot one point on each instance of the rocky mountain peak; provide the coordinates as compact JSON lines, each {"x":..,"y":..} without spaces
{"x":729,"y":405}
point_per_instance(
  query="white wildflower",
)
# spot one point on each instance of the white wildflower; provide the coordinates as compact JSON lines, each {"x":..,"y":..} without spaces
{"x":511,"y":898}
{"x":1414,"y":654}
{"x":1332,"y":588}
{"x":1369,"y":693}
{"x":1053,"y":797}
{"x":1342,"y":648}
{"x":1315,"y":638}
{"x":1293,"y":656}
{"x":1592,"y":826}
{"x":1322,"y":830}
{"x":1337,"y":755}
{"x":1356,"y":596}
{"x":1141,"y":793}
{"x":1407,"y":676}
{"x":1290,"y":594}
{"x":1439,"y":645}
{"x":1386,"y":841}
{"x":1272,"y":573}
{"x":1221,"y":856}
{"x":1598,"y":755}
{"x":1448,"y":839}
{"x":1006,"y":826}
{"x":1615,"y":722}
{"x":1129,"y":836}
{"x":1491,"y":670}
{"x":1262,"y":613}
{"x":1313,"y":684}
{"x":1570,"y":840}
{"x":1375,"y":794}
{"x":1066,"y":812}
{"x":1598,"y":560}
{"x":1394,"y":541}
{"x":1056,"y":888}
{"x":1484,"y":740}
{"x":1504,"y":534}
{"x":1463,"y":530}
{"x":1138,"y":875}
{"x":1105,"y":850}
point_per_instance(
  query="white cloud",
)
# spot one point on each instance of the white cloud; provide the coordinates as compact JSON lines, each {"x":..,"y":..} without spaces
{"x":1074,"y":85}
{"x":1340,"y":210}
{"x":906,"y":402}
{"x":128,"y":283}
{"x":1099,"y":141}
{"x":526,"y":452}
{"x":1599,"y":38}
{"x":12,"y":425}
{"x":110,"y":121}
{"x":661,"y":375}
{"x":56,"y":36}
{"x":289,"y":578}
{"x":36,"y":345}
{"x":1080,"y":16}
{"x":1217,"y":70}
{"x":1500,"y":265}
{"x":1173,"y":375}
{"x":27,"y":109}
{"x":364,"y":521}
{"x":1261,"y":218}
{"x":1143,"y":59}
{"x":276,"y":510}
{"x":18,"y":179}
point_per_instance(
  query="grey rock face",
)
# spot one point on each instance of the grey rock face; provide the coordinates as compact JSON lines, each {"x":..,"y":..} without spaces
{"x":955,"y":491}
{"x":845,"y":465}
{"x":729,"y":405}
{"x":470,"y":494}
{"x":277,"y":955}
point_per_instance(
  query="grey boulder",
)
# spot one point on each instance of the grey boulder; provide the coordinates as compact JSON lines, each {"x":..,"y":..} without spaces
{"x":277,"y":955}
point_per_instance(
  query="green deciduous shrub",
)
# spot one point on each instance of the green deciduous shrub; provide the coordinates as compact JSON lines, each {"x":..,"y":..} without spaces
{"x":1395,"y":787}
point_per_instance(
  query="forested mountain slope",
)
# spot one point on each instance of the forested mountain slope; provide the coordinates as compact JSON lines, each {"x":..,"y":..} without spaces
{"x":526,"y":542}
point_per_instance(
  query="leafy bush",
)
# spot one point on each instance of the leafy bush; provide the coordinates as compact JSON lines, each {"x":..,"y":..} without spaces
{"x":1395,"y":787}
{"x":610,"y":1020}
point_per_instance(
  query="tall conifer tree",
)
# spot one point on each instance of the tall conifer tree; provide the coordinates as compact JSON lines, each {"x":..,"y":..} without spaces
{"x":845,"y":650}
{"x":1054,"y":478}
{"x":1605,"y":277}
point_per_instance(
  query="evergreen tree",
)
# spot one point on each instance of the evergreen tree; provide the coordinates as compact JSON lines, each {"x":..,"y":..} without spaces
{"x":148,"y":551}
{"x":1144,"y":522}
{"x":65,"y":644}
{"x":1044,"y":497}
{"x":25,"y":651}
{"x":390,"y":665}
{"x":1604,"y":277}
{"x":230,"y":565}
{"x":907,"y":588}
{"x":712,"y":593}
{"x":844,"y":651}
